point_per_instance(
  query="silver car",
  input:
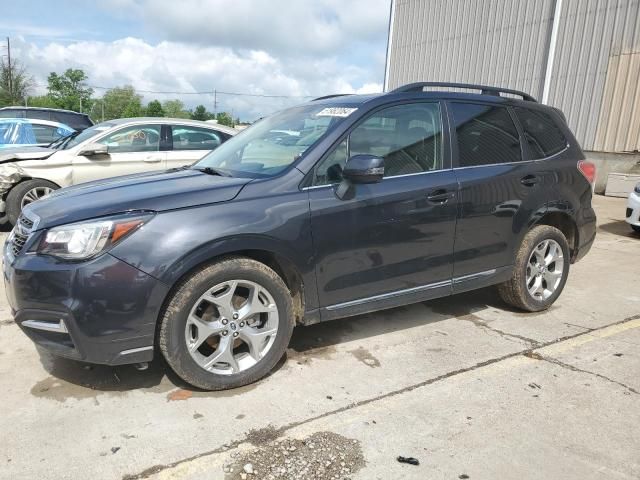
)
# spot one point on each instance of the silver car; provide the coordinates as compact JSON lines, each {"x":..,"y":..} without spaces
{"x":109,"y":149}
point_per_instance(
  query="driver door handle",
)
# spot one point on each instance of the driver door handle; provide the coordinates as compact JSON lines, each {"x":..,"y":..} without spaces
{"x":529,"y":180}
{"x":439,"y":196}
{"x":151,"y":159}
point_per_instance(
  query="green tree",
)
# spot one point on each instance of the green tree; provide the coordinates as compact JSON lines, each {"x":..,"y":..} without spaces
{"x":174,"y":109}
{"x":154,"y":109}
{"x":120,"y":102}
{"x":69,"y":90}
{"x":133,"y":109}
{"x":225,"y":119}
{"x":200,"y":113}
{"x":15,"y":83}
{"x":43,"y":101}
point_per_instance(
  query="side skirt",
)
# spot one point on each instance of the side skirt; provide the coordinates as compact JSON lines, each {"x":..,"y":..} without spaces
{"x":408,"y":296}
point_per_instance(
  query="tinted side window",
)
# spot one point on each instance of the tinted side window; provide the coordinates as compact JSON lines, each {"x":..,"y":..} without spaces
{"x":11,"y":113}
{"x":138,"y":138}
{"x":486,"y":135}
{"x":39,"y":114}
{"x":47,"y":134}
{"x":543,"y":135}
{"x":408,"y":137}
{"x":194,"y":138}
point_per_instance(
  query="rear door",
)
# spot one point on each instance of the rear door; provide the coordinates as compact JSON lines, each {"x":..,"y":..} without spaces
{"x":188,"y":144}
{"x":132,"y":149}
{"x":500,"y":191}
{"x":391,"y":242}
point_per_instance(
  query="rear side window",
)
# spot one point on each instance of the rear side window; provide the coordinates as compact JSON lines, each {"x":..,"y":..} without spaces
{"x":486,"y":135}
{"x":194,"y":138}
{"x":543,"y":136}
{"x":39,"y":114}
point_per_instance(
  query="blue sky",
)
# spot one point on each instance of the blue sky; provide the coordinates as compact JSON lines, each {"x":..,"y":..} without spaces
{"x":272,"y":47}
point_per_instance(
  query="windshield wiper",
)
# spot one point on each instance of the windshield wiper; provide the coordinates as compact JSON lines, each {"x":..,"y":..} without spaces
{"x":212,"y":171}
{"x":59,"y":142}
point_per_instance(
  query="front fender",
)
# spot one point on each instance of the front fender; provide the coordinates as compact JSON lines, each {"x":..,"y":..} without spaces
{"x":175,"y":242}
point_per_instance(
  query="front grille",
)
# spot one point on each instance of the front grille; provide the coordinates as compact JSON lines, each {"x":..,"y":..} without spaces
{"x":629,"y":212}
{"x":20,"y":235}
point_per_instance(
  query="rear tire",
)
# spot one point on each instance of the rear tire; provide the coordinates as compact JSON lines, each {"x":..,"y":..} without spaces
{"x":635,"y":228}
{"x":227,"y":325}
{"x":25,"y":193}
{"x":540,"y":271}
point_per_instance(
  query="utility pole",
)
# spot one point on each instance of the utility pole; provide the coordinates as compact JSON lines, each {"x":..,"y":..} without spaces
{"x":10,"y":72}
{"x":215,"y":104}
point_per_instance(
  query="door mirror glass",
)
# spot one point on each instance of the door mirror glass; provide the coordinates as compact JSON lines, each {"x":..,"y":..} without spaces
{"x":94,"y":149}
{"x":364,"y":169}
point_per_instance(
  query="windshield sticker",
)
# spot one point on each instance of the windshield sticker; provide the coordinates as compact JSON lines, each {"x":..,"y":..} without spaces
{"x":335,"y":112}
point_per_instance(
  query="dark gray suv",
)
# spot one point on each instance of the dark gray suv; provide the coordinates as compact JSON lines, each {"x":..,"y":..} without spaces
{"x":345,"y":205}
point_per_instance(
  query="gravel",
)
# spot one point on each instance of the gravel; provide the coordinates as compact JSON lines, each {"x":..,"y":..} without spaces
{"x":322,"y":456}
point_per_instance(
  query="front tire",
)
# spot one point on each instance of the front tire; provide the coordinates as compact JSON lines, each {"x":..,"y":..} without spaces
{"x":25,"y":193}
{"x":540,"y":271}
{"x":635,"y":228}
{"x":227,"y":325}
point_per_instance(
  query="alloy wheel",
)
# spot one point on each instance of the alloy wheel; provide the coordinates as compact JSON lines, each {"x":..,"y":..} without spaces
{"x":544,"y":269}
{"x":231,"y":327}
{"x":35,"y":194}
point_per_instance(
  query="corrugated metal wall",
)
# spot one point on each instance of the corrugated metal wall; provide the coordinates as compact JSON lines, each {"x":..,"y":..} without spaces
{"x":596,"y":73}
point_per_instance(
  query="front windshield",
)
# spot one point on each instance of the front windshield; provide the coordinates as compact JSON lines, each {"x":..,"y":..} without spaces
{"x":271,"y":145}
{"x":77,"y":138}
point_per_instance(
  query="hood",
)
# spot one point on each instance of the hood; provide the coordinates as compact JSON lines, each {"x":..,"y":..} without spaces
{"x":12,"y":154}
{"x":157,"y":191}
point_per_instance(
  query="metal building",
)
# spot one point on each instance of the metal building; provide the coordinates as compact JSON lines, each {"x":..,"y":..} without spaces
{"x":582,"y":56}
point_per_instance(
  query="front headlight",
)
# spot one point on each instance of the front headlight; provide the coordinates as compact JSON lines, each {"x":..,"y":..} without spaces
{"x":80,"y":241}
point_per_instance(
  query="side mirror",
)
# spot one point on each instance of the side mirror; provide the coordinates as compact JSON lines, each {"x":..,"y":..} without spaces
{"x":364,"y":169}
{"x":94,"y":149}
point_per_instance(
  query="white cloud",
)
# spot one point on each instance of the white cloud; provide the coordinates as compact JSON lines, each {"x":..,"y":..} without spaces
{"x":176,"y":67}
{"x":299,"y":27}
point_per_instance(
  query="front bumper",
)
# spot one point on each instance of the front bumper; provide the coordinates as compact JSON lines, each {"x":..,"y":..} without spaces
{"x":100,"y":311}
{"x":633,"y":210}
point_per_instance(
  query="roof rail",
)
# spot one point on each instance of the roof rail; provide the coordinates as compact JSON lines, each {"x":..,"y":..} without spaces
{"x":484,"y":89}
{"x":331,"y":96}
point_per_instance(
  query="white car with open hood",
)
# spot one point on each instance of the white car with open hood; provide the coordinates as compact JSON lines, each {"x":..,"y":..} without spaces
{"x":109,"y":149}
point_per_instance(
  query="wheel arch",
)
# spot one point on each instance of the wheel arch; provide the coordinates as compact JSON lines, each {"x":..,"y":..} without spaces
{"x":275,"y":259}
{"x":566,"y":224}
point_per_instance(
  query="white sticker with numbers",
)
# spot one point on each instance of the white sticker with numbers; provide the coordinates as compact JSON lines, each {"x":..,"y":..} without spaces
{"x":335,"y":112}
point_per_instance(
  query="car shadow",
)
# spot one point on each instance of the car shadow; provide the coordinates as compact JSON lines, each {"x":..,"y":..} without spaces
{"x":619,"y":227}
{"x":312,"y":340}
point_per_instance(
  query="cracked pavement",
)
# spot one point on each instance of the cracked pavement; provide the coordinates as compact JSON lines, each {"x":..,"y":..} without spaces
{"x":469,"y":387}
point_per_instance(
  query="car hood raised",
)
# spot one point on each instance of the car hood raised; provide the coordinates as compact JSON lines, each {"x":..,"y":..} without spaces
{"x":157,"y":191}
{"x":12,"y":154}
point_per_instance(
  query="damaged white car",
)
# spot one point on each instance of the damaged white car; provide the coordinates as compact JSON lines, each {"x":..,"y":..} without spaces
{"x":109,"y":149}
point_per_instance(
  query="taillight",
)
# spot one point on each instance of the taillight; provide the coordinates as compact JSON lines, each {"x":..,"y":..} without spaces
{"x":587,"y":169}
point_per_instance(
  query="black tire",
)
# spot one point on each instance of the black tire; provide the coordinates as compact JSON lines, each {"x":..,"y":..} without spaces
{"x":635,"y":228}
{"x":17,"y":193}
{"x":171,"y":334}
{"x":514,"y":291}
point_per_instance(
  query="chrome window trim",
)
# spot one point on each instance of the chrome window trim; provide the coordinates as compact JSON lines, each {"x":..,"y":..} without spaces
{"x":513,"y":163}
{"x":383,"y":180}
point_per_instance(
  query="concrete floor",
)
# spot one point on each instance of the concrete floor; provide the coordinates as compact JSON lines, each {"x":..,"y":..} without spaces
{"x":467,"y":386}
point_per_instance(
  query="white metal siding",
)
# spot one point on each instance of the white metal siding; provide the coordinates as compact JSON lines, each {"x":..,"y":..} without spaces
{"x":596,"y":70}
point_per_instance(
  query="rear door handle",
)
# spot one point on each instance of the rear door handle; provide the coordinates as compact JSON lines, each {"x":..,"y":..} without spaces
{"x":152,"y":159}
{"x":439,"y":196}
{"x":529,"y":180}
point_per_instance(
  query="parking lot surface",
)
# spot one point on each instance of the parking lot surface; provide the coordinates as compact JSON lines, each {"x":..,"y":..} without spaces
{"x":469,"y":387}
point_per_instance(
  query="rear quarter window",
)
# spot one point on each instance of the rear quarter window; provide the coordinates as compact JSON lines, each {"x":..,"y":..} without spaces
{"x":542,"y":134}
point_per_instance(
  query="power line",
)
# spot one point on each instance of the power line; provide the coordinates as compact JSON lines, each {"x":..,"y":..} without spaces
{"x":205,"y":92}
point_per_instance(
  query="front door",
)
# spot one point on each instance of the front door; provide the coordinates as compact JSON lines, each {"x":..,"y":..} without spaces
{"x":391,"y":242}
{"x":132,"y":149}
